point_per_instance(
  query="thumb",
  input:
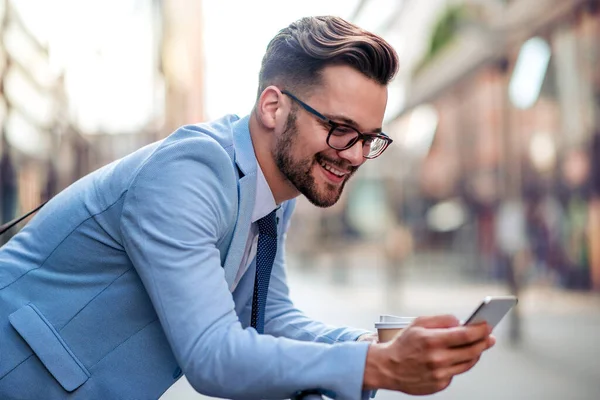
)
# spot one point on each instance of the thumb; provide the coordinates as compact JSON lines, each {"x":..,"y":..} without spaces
{"x":437,"y":321}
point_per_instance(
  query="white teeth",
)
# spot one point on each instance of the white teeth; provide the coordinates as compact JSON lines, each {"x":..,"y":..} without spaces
{"x":332,"y":170}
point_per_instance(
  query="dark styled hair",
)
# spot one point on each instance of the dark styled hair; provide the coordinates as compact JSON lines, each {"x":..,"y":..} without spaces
{"x":296,"y":56}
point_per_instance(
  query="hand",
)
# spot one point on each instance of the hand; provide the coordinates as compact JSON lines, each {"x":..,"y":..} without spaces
{"x":368,"y":337}
{"x":426,"y":356}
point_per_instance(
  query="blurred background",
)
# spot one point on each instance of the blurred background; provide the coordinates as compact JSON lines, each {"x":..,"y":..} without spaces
{"x":492,"y":185}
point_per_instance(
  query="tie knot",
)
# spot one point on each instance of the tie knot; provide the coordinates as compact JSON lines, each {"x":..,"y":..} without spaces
{"x":267,"y":225}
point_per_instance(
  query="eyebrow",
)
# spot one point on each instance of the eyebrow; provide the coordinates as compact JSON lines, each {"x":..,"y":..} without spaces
{"x":349,"y":121}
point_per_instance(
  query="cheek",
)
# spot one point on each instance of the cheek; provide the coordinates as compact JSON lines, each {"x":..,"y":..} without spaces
{"x":308,"y":147}
{"x":312,"y":137}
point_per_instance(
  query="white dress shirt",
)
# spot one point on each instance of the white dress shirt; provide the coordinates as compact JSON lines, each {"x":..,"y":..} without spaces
{"x":264,"y":203}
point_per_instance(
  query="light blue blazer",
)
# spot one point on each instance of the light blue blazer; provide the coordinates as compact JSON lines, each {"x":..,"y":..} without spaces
{"x":122,"y":281}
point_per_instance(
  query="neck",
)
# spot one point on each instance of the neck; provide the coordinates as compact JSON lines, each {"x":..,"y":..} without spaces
{"x":262,"y":141}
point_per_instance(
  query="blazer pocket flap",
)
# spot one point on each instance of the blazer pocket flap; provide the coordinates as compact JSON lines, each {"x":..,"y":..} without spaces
{"x":49,"y":347}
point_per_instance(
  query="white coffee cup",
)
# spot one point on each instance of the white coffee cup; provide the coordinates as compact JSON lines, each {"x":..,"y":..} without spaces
{"x":390,"y":326}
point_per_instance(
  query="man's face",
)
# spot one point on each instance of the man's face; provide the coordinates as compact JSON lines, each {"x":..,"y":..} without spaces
{"x":301,"y":151}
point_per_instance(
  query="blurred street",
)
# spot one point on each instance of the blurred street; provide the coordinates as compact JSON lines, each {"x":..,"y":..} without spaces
{"x":557,"y":359}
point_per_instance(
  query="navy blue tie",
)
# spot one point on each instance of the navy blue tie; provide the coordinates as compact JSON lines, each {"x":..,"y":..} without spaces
{"x":265,"y":255}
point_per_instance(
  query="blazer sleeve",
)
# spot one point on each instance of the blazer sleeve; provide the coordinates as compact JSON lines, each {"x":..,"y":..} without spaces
{"x":178,"y":206}
{"x":282,"y":318}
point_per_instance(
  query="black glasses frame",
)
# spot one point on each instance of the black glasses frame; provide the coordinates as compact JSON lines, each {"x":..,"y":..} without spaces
{"x":334,"y":125}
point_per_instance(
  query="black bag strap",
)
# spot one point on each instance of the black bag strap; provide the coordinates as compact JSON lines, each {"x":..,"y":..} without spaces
{"x":15,"y":221}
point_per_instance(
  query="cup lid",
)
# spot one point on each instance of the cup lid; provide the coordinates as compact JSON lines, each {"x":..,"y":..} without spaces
{"x":392,"y":325}
{"x":393,"y":318}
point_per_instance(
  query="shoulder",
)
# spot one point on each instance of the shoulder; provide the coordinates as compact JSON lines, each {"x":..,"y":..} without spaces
{"x":193,"y":148}
{"x":219,"y":132}
{"x":191,"y":169}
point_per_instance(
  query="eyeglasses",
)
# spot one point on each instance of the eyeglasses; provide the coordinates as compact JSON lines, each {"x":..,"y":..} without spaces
{"x":342,"y":136}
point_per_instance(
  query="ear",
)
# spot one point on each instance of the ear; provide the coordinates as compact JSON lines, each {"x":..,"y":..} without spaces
{"x":270,"y":107}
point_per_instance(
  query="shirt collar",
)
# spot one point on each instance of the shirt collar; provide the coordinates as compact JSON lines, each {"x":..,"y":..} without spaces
{"x":264,"y":202}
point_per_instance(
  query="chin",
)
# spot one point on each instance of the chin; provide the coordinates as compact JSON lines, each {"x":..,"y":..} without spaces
{"x":326,"y":195}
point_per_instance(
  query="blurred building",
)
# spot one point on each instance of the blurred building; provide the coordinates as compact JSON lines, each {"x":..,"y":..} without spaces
{"x":498,"y":135}
{"x":98,"y":82}
{"x":495,"y":165}
{"x":183,"y":63}
{"x":32,"y":115}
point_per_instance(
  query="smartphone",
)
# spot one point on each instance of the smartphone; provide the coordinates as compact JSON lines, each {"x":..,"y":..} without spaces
{"x":491,"y":310}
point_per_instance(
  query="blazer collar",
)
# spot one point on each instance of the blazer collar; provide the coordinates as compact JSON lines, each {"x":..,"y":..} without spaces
{"x":246,"y":162}
{"x":242,"y":144}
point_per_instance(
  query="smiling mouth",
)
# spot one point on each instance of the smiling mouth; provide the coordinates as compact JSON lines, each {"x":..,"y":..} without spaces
{"x":332,"y":170}
{"x":333,"y":175}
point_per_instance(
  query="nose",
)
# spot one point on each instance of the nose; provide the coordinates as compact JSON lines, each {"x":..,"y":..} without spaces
{"x":354,"y":154}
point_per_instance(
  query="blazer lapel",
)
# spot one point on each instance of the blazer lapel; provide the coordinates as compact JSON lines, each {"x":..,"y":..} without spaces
{"x":246,"y":162}
{"x":242,"y":228}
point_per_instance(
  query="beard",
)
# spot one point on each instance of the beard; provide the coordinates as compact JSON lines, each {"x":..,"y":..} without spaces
{"x":298,"y":172}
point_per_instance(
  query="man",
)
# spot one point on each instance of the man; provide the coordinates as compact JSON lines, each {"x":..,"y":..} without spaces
{"x":162,"y":262}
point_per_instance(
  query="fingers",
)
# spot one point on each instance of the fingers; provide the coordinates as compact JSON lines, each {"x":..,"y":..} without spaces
{"x":465,"y":354}
{"x":455,"y":361}
{"x":461,"y":335}
{"x":432,"y":351}
{"x":437,"y":321}
{"x":491,"y":341}
{"x":446,"y":374}
{"x":445,"y":358}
